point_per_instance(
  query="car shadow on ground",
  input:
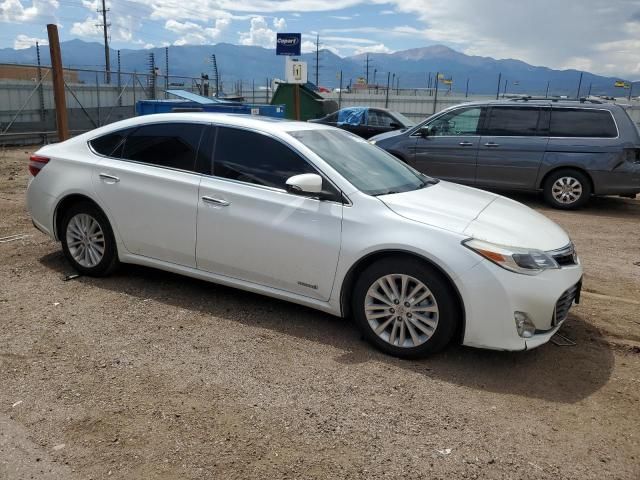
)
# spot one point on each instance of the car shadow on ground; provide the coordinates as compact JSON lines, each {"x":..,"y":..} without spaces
{"x":612,"y":207}
{"x":558,"y":374}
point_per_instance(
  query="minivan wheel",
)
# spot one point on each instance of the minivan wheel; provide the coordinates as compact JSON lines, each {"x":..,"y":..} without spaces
{"x":88,"y":241}
{"x":405,"y":308}
{"x":567,"y":189}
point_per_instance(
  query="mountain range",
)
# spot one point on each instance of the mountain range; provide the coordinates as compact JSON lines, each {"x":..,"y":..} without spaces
{"x":256,"y":64}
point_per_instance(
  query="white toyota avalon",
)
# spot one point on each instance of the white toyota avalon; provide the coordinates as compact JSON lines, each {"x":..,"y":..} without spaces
{"x":313,"y":215}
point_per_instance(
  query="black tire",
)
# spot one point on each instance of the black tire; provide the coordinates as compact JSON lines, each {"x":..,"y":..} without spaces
{"x":109,"y":260}
{"x":575,"y":177}
{"x":449,"y":311}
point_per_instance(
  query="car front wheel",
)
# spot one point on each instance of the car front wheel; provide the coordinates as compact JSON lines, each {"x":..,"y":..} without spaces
{"x":405,"y":308}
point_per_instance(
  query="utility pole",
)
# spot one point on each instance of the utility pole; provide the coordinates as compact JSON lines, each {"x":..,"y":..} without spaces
{"x":166,"y":71}
{"x":386,"y":100}
{"x":579,"y":85}
{"x":504,"y":92}
{"x":546,"y":95}
{"x":435,"y":98}
{"x":105,"y":27}
{"x":216,"y":74}
{"x":317,"y":59}
{"x":119,"y":82}
{"x":340,"y":92}
{"x":499,"y":83}
{"x":630,"y":90}
{"x":40,"y":90}
{"x":398,"y":86}
{"x":62,"y":124}
{"x":466,"y":92}
{"x":366,"y":63}
{"x":589,"y":92}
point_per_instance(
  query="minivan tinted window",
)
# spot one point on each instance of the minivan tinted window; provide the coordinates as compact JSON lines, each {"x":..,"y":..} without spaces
{"x":173,"y":145}
{"x":582,"y":122}
{"x":255,"y":158}
{"x":513,"y":121}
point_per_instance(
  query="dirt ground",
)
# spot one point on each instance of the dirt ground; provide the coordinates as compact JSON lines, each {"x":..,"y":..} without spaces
{"x":147,"y":374}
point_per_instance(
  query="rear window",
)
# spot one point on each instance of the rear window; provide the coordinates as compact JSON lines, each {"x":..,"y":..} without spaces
{"x":513,"y":121}
{"x":582,"y":122}
{"x":110,"y":145}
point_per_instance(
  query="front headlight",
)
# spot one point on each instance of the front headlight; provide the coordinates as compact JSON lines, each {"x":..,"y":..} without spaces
{"x":519,"y":260}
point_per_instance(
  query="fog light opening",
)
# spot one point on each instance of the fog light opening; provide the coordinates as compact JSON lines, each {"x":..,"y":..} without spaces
{"x":524,"y":325}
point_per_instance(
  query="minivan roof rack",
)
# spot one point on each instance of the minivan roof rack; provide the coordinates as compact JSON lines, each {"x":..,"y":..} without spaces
{"x":526,"y":98}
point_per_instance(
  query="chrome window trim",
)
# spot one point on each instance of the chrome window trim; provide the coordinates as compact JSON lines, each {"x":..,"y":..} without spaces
{"x":286,"y":145}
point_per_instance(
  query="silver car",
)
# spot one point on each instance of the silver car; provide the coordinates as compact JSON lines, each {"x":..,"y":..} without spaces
{"x":569,"y":150}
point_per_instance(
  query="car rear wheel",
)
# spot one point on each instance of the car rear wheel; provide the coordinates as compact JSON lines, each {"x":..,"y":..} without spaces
{"x":405,"y":308}
{"x":88,"y":241}
{"x":567,"y":189}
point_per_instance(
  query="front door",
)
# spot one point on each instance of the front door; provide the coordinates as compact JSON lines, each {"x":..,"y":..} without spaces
{"x":512,"y":147}
{"x":449,"y":151}
{"x":250,"y":228}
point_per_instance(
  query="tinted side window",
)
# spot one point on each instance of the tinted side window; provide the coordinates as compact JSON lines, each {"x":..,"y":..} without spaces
{"x":110,"y":145}
{"x":255,"y":158}
{"x":582,"y":122}
{"x":173,"y":145}
{"x":512,"y":121}
{"x":379,"y":119}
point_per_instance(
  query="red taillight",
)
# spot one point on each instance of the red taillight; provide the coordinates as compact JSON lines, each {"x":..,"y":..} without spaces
{"x":37,"y":163}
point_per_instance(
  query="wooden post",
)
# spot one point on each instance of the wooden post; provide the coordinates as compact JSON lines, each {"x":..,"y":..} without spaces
{"x":296,"y":100}
{"x":62,"y":123}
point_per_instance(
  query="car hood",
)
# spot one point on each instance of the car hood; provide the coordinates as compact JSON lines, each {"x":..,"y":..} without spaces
{"x":479,"y":214}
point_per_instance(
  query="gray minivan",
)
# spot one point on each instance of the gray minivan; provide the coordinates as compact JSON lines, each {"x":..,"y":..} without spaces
{"x":569,"y":150}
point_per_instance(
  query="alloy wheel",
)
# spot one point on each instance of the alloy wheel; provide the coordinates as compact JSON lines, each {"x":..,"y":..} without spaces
{"x":401,"y":310}
{"x":566,"y":190}
{"x":85,"y":240}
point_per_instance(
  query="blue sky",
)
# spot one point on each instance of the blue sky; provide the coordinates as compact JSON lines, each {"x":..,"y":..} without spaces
{"x":601,"y":37}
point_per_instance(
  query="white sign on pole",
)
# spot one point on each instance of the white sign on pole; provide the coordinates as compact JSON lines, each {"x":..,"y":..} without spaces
{"x":296,"y":71}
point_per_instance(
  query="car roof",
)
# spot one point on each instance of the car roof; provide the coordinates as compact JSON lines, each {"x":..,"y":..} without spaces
{"x":550,"y":102}
{"x":255,"y":122}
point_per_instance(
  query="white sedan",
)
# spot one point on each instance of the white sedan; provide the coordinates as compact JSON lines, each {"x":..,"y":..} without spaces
{"x":310,"y":214}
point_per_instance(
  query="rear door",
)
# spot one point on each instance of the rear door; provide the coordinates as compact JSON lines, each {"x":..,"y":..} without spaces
{"x":512,"y":146}
{"x":149,"y":186}
{"x":450,"y":150}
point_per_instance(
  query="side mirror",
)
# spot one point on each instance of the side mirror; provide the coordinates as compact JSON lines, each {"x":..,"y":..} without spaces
{"x":425,"y":131}
{"x":395,"y":125}
{"x":305,"y":184}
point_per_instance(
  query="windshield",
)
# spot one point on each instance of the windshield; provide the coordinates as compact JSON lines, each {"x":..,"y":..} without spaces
{"x":405,"y":121}
{"x":369,"y":168}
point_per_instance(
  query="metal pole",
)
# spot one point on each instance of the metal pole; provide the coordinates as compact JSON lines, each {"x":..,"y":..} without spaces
{"x":134,"y":93}
{"x":40,"y":89}
{"x":589,"y":92}
{"x":317,"y":58}
{"x":105,"y":26}
{"x":630,"y":90}
{"x":98,"y":98}
{"x":266,"y":93}
{"x":546,"y":95}
{"x":435,"y":98}
{"x":398,"y":86}
{"x":504,"y":92}
{"x":499,"y":83}
{"x":62,"y":123}
{"x":340,"y":92}
{"x":386,"y":100}
{"x":579,"y":85}
{"x":466,"y":92}
{"x":253,"y":91}
{"x":166,"y":71}
{"x":119,"y":81}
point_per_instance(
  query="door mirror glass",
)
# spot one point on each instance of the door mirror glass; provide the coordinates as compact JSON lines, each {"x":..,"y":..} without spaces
{"x":306,"y":183}
{"x":425,"y":131}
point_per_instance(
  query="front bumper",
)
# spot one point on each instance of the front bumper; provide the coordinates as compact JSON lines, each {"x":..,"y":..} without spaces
{"x":492,"y":294}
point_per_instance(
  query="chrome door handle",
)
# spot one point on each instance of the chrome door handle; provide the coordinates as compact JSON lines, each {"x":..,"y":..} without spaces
{"x":216,"y":201}
{"x":112,"y":179}
{"x":491,"y":144}
{"x":466,"y":144}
